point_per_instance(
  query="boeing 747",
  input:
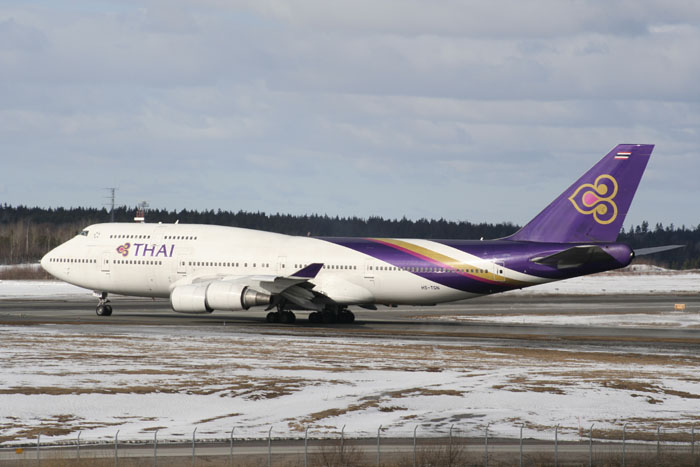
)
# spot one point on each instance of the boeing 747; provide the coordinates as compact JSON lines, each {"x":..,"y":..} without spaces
{"x":202,"y":268}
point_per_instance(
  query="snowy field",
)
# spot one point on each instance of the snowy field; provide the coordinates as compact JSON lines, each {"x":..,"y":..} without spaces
{"x":623,"y":282}
{"x":59,"y":380}
{"x":41,"y":290}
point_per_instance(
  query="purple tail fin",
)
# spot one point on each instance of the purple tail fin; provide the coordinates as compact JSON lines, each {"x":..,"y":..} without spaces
{"x":594,"y":208}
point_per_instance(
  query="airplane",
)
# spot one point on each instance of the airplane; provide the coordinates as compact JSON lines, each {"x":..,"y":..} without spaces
{"x":202,"y":268}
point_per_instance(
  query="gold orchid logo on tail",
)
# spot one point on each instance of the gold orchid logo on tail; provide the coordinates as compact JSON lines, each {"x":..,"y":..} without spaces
{"x":597,"y":199}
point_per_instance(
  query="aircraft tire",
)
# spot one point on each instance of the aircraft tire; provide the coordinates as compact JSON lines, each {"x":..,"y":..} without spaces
{"x":287,"y":317}
{"x":272,"y":317}
{"x":346,"y":317}
{"x":107,"y":310}
{"x":314,"y":317}
{"x":100,"y":310}
{"x":327,"y":317}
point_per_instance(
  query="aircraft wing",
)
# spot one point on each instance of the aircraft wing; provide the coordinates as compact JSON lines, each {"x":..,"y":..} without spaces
{"x":279,"y":284}
{"x":240,"y":292}
{"x":295,"y":288}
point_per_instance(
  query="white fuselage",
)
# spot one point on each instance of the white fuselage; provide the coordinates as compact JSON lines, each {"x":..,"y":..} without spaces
{"x":150,"y":260}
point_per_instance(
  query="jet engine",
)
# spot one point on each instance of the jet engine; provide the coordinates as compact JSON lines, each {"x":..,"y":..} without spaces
{"x":217,"y":295}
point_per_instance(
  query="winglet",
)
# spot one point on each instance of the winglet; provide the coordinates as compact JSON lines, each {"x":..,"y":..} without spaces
{"x":309,"y":272}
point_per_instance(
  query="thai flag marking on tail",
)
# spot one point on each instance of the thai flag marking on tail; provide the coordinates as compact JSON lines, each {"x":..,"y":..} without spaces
{"x":623,"y":155}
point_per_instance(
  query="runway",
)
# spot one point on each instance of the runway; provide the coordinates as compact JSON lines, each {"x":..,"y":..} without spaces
{"x":404,"y":322}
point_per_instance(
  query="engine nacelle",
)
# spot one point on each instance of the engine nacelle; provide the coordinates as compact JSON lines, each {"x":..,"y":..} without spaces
{"x":234,"y":296}
{"x":190,"y":299}
{"x":217,"y":295}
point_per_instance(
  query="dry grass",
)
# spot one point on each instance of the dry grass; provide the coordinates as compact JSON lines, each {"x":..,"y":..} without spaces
{"x":369,"y":403}
{"x":60,"y":391}
{"x":217,"y":418}
{"x":50,"y":427}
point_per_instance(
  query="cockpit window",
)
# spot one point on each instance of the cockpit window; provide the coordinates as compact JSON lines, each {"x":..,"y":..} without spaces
{"x":84,"y":233}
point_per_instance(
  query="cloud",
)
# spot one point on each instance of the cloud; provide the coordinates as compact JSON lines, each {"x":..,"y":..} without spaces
{"x":498,"y":19}
{"x":445,"y":109}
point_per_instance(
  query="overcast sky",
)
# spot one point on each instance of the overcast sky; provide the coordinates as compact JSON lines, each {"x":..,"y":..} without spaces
{"x":480,"y":111}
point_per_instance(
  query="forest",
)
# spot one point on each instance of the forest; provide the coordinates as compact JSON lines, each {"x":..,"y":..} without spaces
{"x":27,"y":233}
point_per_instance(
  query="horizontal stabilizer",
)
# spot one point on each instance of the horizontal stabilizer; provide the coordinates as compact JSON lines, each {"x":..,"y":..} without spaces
{"x":574,"y":257}
{"x":656,"y":249}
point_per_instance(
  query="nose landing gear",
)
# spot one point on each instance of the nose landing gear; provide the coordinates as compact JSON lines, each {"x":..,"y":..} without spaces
{"x":103,"y":306}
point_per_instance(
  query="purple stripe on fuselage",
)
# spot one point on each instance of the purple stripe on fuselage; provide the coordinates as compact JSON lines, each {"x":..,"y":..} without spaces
{"x":515,"y":256}
{"x":403,"y":259}
{"x":435,"y":262}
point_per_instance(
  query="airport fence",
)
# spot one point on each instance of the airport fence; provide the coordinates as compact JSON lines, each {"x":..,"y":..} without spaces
{"x":386,"y":448}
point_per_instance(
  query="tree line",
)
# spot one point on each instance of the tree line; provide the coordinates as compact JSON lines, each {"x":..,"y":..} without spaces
{"x":27,"y":233}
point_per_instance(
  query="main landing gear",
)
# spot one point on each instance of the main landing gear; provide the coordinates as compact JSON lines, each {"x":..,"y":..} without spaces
{"x":281,"y":316}
{"x":103,"y":306}
{"x":330,"y":316}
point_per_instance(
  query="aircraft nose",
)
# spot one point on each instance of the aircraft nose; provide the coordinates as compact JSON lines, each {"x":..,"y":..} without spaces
{"x":46,"y":261}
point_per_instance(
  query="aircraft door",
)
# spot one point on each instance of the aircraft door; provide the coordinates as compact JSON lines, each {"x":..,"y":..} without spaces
{"x":498,"y":271}
{"x":369,"y":269}
{"x":104,"y":263}
{"x":181,"y":266}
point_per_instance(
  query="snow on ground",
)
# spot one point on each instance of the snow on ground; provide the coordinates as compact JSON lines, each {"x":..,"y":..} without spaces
{"x":600,"y":284}
{"x":41,"y":290}
{"x":61,"y":379}
{"x":21,"y":265}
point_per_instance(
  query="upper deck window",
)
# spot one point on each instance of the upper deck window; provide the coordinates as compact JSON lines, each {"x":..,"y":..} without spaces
{"x":84,"y":233}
